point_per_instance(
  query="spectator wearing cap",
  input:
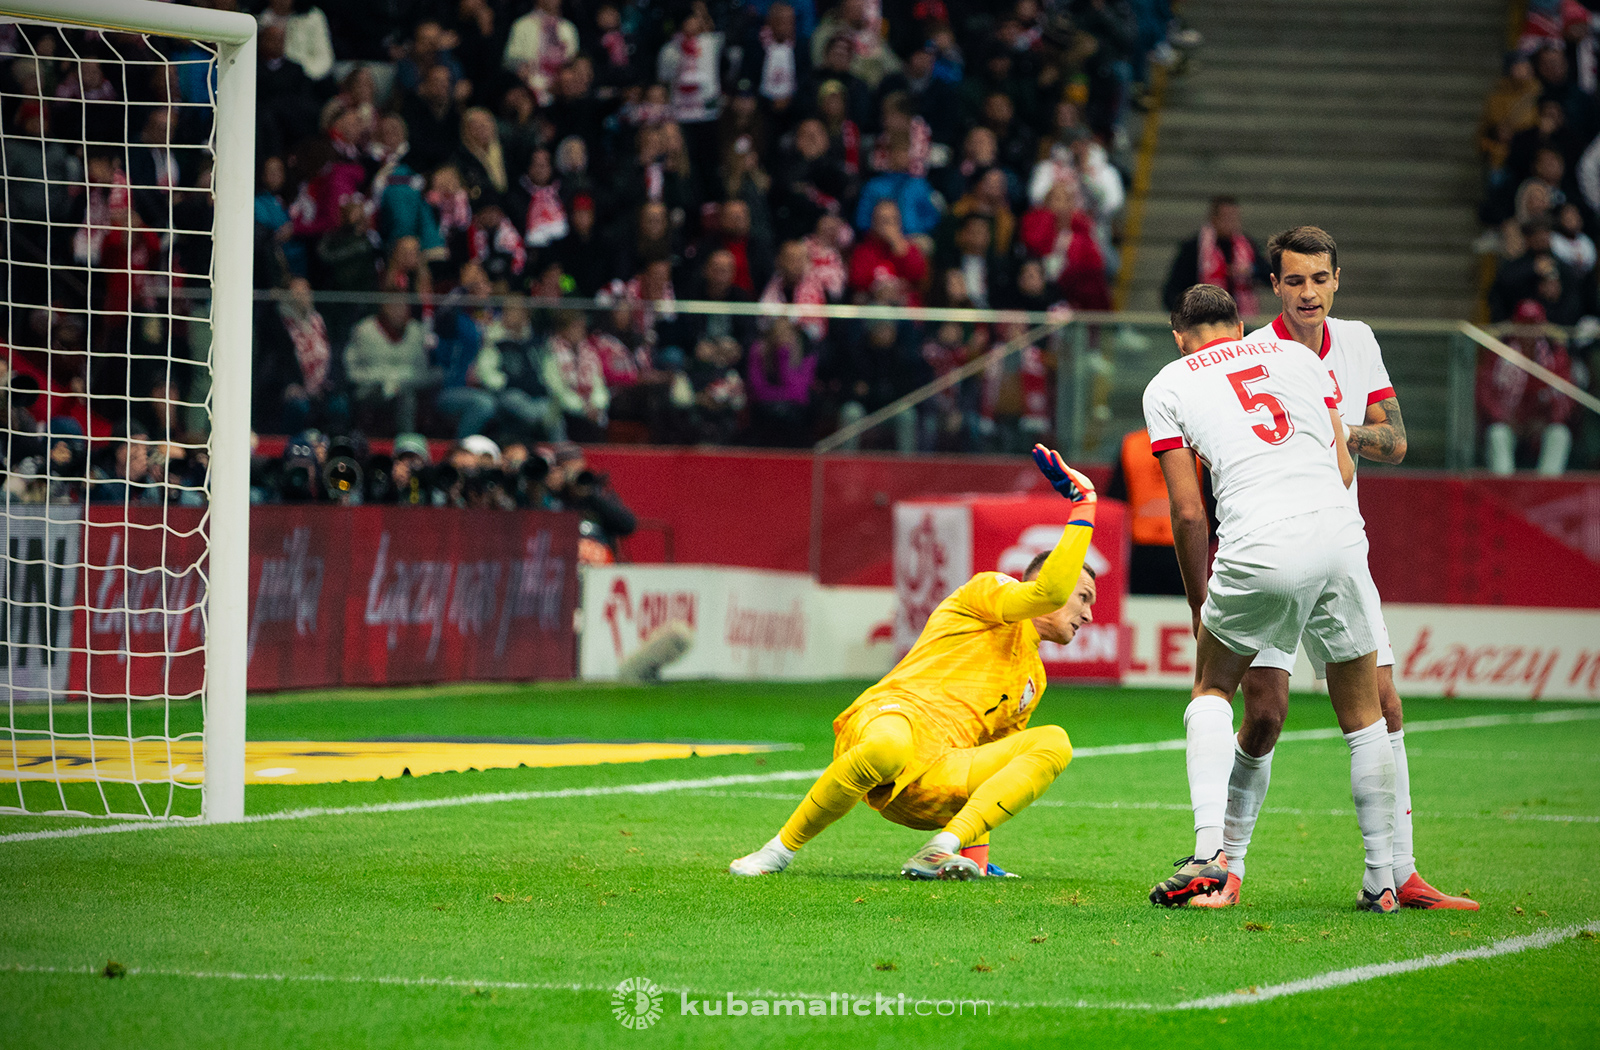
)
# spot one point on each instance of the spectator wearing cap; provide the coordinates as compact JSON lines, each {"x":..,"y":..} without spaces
{"x":540,"y":43}
{"x":1522,"y":413}
{"x":412,"y":458}
{"x":573,"y":486}
{"x":581,"y":254}
{"x":886,"y":254}
{"x":919,"y":211}
{"x":387,"y":363}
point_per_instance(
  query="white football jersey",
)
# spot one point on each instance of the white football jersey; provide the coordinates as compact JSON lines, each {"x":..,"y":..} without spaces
{"x":1256,"y":411}
{"x":1350,"y":352}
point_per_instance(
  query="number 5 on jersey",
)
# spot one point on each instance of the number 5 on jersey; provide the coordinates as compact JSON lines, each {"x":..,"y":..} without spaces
{"x":1282,"y":426}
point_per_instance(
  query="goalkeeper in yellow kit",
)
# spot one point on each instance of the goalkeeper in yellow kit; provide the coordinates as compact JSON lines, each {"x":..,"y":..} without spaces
{"x":941,"y":743}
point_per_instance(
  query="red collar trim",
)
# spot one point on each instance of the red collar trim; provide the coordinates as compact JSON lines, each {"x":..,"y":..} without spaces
{"x":1280,"y":326}
{"x":1214,"y":342}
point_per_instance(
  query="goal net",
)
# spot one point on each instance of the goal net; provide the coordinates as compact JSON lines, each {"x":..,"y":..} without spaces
{"x":126,"y":148}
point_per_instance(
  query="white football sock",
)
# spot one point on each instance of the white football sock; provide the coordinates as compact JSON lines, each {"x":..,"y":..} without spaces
{"x":1247,"y":790}
{"x":1372,"y":788}
{"x":1405,"y":864}
{"x":1208,"y":727}
{"x":946,"y":841}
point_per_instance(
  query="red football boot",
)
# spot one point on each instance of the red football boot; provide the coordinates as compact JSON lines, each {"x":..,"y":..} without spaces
{"x":1418,"y":894}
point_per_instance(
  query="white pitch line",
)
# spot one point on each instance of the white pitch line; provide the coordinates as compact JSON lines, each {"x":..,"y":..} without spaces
{"x":1295,"y":811}
{"x":1321,"y":982}
{"x":650,"y":787}
{"x":1359,"y":974}
{"x":658,"y":786}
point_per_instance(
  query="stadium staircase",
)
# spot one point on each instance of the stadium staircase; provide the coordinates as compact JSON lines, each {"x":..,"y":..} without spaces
{"x":1358,"y":117}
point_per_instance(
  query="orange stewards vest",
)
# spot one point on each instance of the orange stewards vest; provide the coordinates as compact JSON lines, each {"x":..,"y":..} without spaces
{"x":1147,"y":492}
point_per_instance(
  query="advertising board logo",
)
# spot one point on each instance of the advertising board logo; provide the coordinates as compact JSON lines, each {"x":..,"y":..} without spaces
{"x":633,"y":620}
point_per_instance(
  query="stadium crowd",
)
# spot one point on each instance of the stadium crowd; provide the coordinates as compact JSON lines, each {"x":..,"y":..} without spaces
{"x":423,"y":164}
{"x":1539,"y":139}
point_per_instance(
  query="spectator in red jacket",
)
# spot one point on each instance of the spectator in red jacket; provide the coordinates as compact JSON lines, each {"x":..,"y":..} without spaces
{"x":1061,"y":235}
{"x":887,"y":254}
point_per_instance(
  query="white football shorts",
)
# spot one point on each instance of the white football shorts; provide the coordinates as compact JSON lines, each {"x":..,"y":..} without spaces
{"x":1306,"y":581}
{"x":1284,"y":661}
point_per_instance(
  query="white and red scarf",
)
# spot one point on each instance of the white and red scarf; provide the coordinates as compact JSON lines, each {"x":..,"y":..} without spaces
{"x":1239,"y":278}
{"x":505,"y":242}
{"x":546,"y":220}
{"x":312,"y":350}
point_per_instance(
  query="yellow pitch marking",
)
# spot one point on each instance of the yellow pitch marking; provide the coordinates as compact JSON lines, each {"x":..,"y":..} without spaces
{"x":319,"y":761}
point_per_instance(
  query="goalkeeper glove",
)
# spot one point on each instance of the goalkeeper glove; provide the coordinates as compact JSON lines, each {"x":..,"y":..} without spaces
{"x":1072,"y":485}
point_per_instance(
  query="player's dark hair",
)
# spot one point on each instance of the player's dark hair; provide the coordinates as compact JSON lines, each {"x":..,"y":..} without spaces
{"x":1038,"y":563}
{"x":1302,"y":240}
{"x":1204,"y":304}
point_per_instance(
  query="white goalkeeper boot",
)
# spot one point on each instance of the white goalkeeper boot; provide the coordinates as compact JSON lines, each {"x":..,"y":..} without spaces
{"x":768,"y":860}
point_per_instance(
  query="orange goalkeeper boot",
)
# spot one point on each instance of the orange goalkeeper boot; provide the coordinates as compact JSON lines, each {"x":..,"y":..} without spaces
{"x":1226,"y":897}
{"x":1418,"y":894}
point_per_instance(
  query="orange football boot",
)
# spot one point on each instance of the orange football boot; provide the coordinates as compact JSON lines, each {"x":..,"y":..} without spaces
{"x":1418,"y":894}
{"x":1227,"y":896}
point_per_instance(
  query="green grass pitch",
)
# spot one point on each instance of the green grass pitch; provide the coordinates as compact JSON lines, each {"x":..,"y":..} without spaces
{"x":509,"y":923}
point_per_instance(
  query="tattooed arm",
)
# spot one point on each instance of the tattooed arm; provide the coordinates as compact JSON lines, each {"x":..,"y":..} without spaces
{"x":1383,"y":436}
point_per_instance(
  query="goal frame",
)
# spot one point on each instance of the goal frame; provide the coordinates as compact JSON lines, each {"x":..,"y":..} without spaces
{"x":233,"y":186}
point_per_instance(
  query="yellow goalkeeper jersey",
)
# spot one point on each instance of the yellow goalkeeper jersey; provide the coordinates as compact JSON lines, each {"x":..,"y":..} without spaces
{"x":974,"y":674}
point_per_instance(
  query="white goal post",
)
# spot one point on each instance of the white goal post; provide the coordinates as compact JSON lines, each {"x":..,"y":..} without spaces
{"x":224,"y":570}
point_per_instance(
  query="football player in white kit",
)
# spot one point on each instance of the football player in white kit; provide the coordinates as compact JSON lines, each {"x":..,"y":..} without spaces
{"x":1291,"y":563}
{"x":1305,"y":275}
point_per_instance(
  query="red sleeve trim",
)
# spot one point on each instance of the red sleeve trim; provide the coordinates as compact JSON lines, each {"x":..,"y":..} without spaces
{"x":1165,"y":445}
{"x":1331,"y":402}
{"x":1378,"y":395}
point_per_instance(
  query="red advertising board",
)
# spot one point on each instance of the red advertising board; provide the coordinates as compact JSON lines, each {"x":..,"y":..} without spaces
{"x":1007,"y":531}
{"x":338,"y":596}
{"x":939,"y":544}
